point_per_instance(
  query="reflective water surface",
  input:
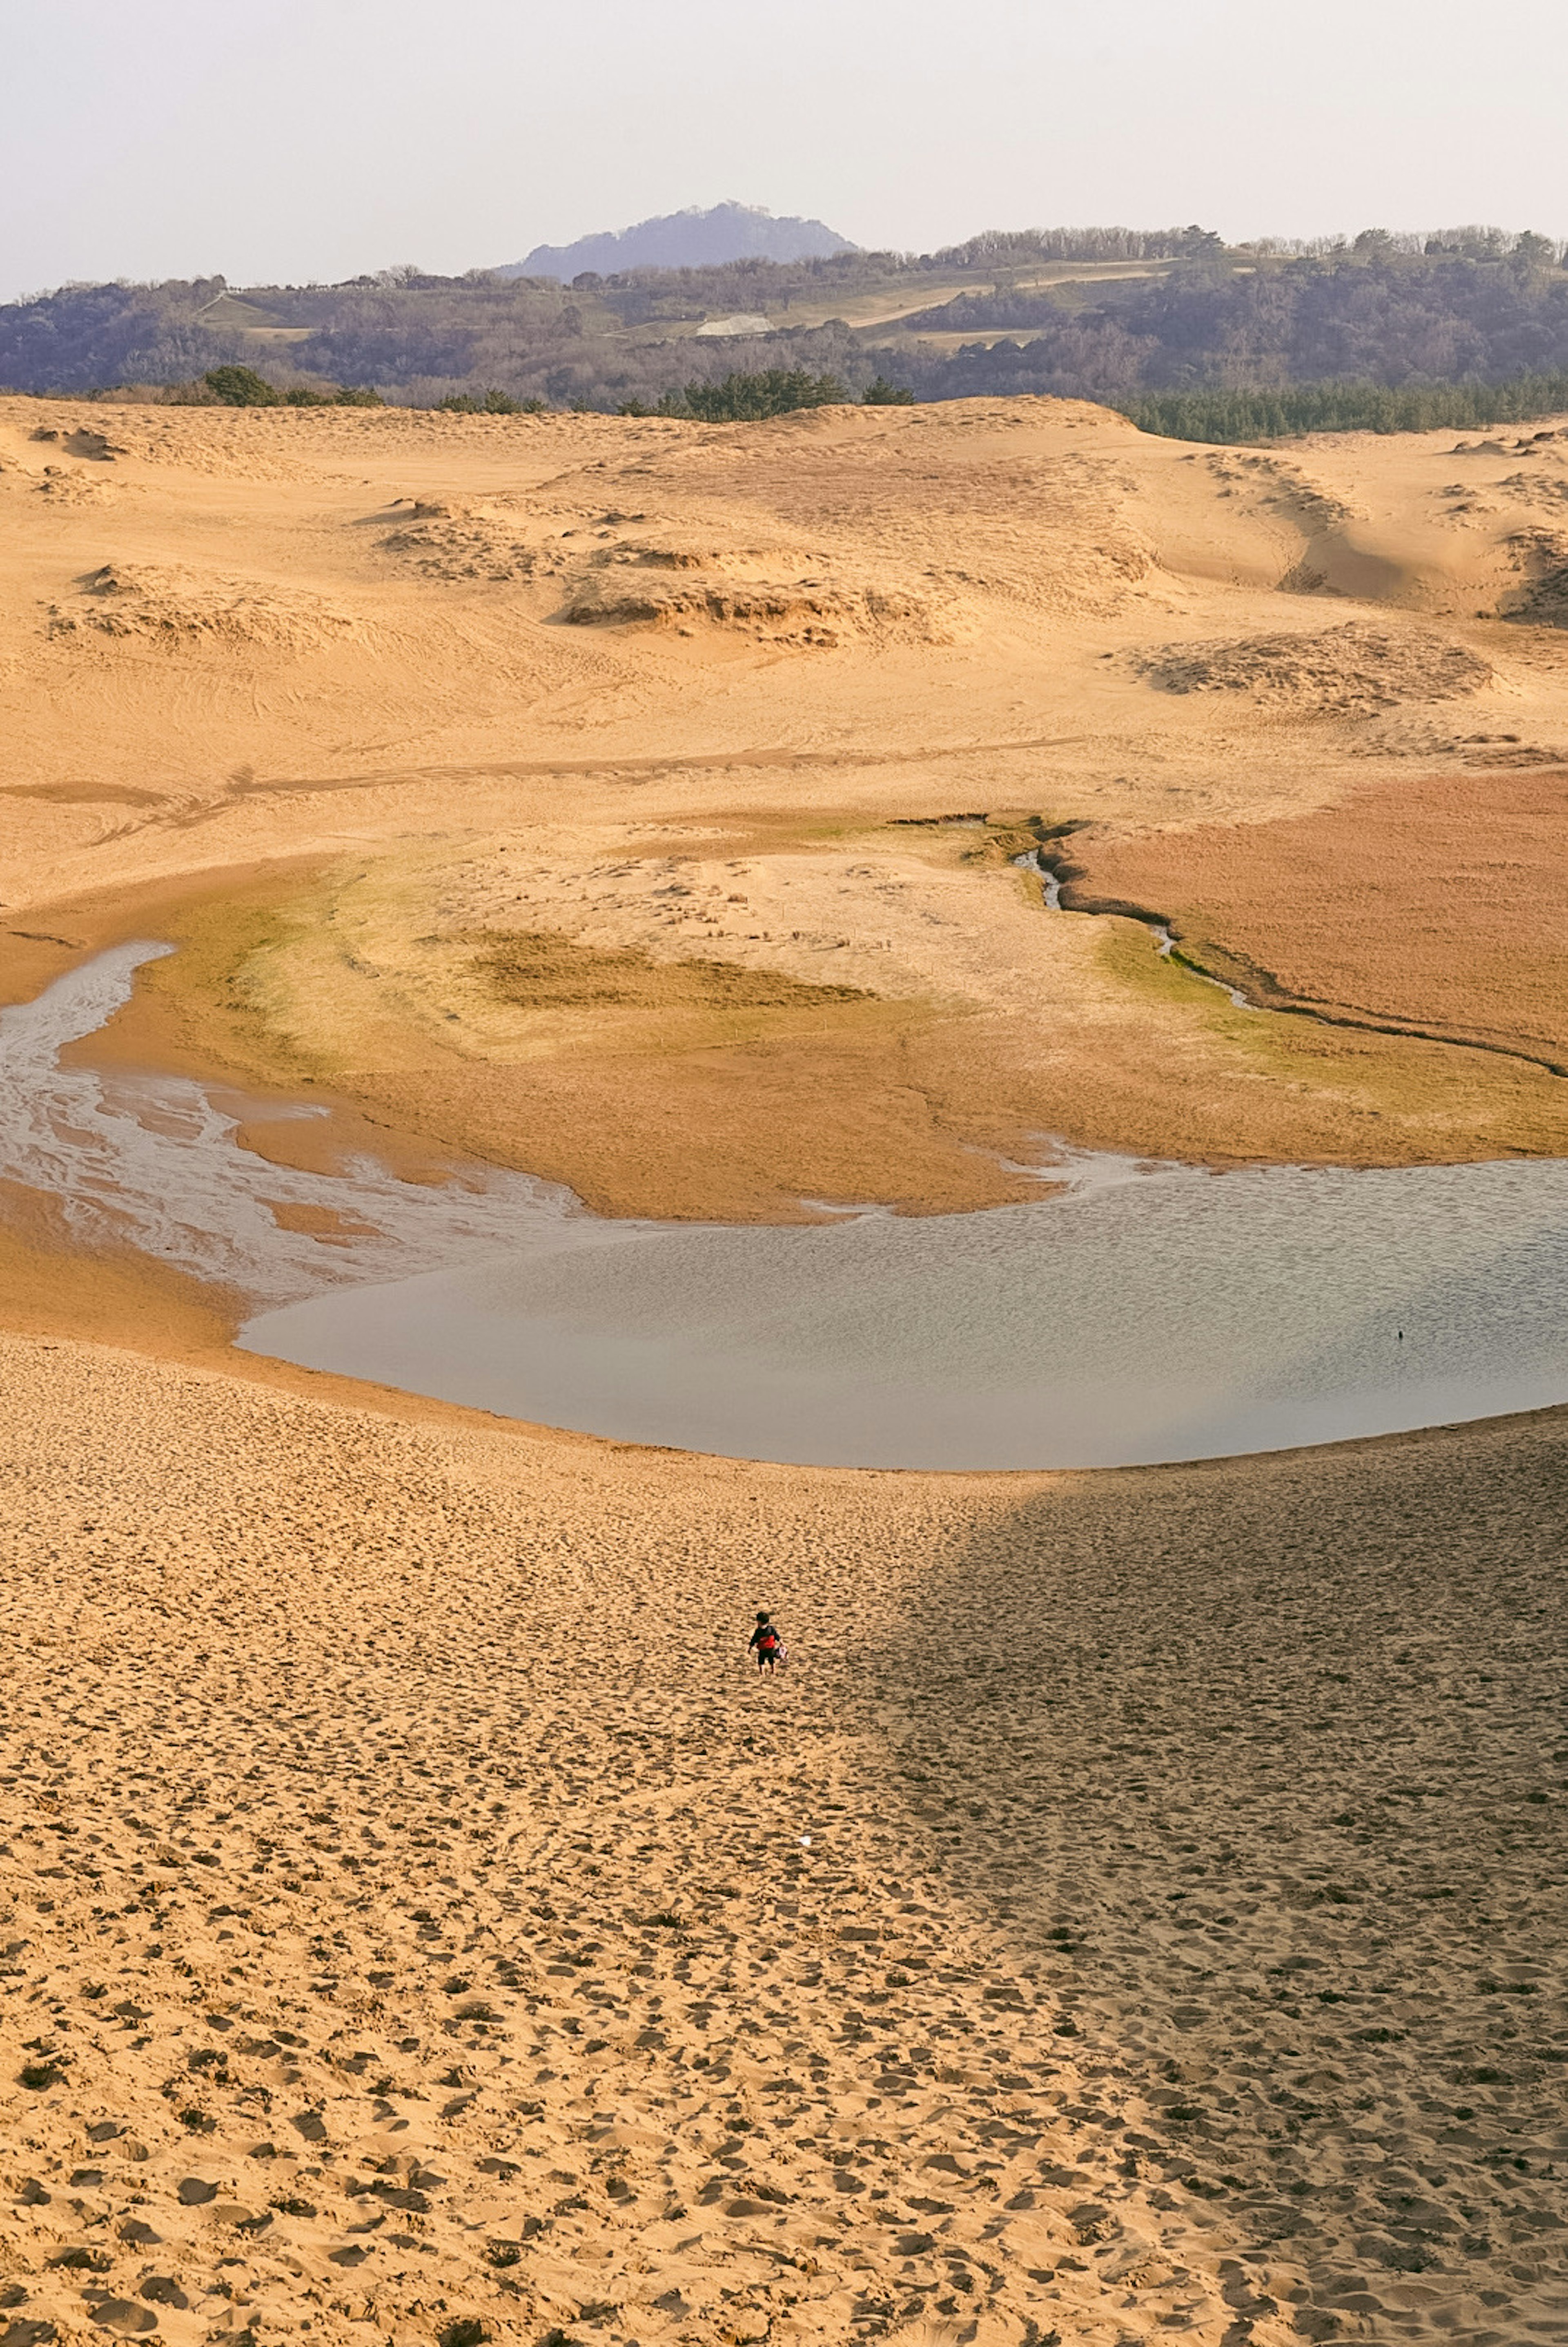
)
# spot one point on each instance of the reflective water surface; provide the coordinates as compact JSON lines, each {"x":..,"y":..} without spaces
{"x":1146,"y":1315}
{"x":1179,"y":1315}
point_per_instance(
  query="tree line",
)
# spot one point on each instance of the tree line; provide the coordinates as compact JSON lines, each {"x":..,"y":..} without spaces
{"x":1445,"y":325}
{"x":241,"y":386}
{"x":747,"y":396}
{"x":1241,"y":415}
{"x":1397,"y":322}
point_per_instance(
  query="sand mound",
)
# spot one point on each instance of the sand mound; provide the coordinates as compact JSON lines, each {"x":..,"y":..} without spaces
{"x":1053,"y":533}
{"x":1402,"y":737}
{"x":1550,"y":494}
{"x":677,"y":578}
{"x":1276,"y":482}
{"x":1542,"y":601}
{"x":68,"y":485}
{"x":763,"y":591}
{"x":806,"y":612}
{"x":442,"y":539}
{"x":1344,"y":671}
{"x":184,"y":609}
{"x":84,"y":441}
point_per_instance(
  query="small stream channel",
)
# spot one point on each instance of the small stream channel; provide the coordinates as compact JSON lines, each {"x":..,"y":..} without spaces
{"x":1166,"y":944}
{"x":1135,"y":1314}
{"x":1056,"y":873}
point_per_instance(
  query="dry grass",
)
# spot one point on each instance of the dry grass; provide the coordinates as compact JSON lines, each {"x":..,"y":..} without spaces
{"x":1432,"y":905}
{"x":539,"y":971}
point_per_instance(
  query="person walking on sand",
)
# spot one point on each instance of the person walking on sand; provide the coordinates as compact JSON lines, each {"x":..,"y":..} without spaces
{"x":768,"y":1645}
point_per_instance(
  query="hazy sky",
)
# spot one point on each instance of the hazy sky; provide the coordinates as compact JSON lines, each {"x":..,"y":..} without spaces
{"x":292,"y":139}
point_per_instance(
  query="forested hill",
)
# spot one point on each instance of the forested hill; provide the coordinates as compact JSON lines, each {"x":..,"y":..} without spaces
{"x":1111,"y":314}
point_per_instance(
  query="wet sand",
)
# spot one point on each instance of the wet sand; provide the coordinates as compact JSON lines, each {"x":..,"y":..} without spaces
{"x":412,"y":1925}
{"x":1137,"y":1314}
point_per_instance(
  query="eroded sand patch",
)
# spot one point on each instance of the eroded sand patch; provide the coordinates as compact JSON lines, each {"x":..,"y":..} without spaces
{"x":181,"y":609}
{"x":1351,"y":670}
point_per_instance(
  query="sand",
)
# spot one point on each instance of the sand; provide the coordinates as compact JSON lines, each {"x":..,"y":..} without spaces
{"x":1134,"y":1913}
{"x":677,"y":691}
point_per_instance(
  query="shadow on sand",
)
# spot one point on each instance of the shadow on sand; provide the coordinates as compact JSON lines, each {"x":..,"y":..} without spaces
{"x":1264,"y":1778}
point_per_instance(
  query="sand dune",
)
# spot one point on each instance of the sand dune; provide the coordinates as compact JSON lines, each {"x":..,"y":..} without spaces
{"x":405,"y":653}
{"x":1130,"y":1917}
{"x":1135,"y":1913}
{"x":1010,"y":527}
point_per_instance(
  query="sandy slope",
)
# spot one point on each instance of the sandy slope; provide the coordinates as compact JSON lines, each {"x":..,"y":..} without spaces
{"x":195,"y":602}
{"x":410,"y":1920}
{"x":394,"y":1841}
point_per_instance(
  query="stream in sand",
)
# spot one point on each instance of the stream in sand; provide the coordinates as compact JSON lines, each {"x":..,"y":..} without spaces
{"x":1137,"y":1314}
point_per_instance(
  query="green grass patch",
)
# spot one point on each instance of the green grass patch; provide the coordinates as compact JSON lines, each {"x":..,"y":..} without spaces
{"x":211,"y":981}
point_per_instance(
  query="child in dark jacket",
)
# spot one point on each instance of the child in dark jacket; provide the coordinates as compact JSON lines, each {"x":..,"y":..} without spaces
{"x":767,"y":1645}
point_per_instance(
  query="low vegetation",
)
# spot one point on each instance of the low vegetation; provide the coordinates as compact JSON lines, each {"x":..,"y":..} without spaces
{"x":489,"y":403}
{"x":1239,"y":415}
{"x":539,"y":971}
{"x":746,"y":396}
{"x":241,"y":386}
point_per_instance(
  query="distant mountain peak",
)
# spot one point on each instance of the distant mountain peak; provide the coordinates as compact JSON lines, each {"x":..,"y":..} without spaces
{"x":694,"y":239}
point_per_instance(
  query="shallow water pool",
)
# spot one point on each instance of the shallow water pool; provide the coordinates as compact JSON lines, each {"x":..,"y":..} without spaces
{"x":1146,"y":1315}
{"x":1177,"y":1315}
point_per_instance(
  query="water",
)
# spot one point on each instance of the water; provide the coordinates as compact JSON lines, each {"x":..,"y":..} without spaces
{"x":1175,"y":1316}
{"x":1164,"y":943}
{"x":1151,"y":1313}
{"x":150,"y":1162}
